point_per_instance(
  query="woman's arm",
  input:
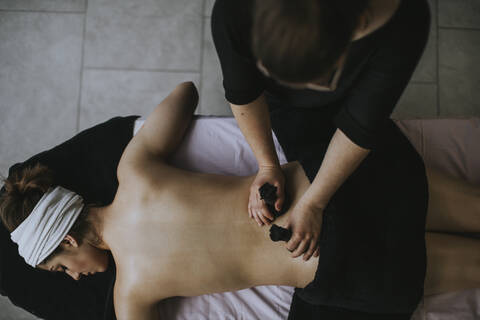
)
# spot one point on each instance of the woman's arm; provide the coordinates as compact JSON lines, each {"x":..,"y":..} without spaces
{"x":166,"y":125}
{"x":163,"y":130}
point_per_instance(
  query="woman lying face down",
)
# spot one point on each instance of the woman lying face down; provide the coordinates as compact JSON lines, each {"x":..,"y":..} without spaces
{"x":77,"y":257}
{"x":77,"y":260}
{"x":78,"y":252}
{"x":171,"y":232}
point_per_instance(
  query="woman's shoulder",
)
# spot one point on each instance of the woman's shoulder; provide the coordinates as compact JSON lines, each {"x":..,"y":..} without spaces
{"x":147,"y":287}
{"x":131,"y":301}
{"x":138,"y":166}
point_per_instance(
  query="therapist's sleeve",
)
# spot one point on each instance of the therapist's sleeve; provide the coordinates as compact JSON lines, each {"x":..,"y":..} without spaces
{"x":242,"y":81}
{"x":381,"y":84}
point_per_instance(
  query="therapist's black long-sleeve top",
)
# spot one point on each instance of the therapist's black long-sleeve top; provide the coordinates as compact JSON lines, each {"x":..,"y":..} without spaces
{"x":376,"y":72}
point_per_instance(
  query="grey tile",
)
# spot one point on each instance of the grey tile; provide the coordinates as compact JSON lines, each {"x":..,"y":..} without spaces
{"x":53,"y":5}
{"x":144,"y":34}
{"x":110,"y":93}
{"x":426,"y":70}
{"x":11,"y":312}
{"x":418,"y":101}
{"x":459,"y":72}
{"x":40,"y":57}
{"x":459,"y":13}
{"x":208,"y":7}
{"x":212,"y":97}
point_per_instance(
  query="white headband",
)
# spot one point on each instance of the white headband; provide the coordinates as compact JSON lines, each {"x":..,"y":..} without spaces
{"x":48,"y":224}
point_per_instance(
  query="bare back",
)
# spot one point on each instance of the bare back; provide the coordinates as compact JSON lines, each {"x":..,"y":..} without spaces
{"x":179,"y":233}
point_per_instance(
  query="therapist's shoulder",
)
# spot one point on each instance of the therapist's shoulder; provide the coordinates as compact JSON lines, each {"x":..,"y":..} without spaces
{"x":232,"y":15}
{"x":228,"y":7}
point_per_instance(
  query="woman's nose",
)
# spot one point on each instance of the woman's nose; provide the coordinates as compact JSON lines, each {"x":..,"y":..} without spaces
{"x":74,"y":275}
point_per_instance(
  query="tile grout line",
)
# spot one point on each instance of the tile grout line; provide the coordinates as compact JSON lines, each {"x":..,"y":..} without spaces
{"x":81,"y":68}
{"x":459,"y":28}
{"x":423,"y":82}
{"x":438,"y":58}
{"x":141,"y":69}
{"x":41,"y":11}
{"x":202,"y":45}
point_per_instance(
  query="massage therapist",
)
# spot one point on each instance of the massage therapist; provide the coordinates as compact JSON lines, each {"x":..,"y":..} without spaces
{"x":350,"y":60}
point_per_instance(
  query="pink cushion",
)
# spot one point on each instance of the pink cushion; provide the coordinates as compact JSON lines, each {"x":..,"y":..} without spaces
{"x":451,"y":145}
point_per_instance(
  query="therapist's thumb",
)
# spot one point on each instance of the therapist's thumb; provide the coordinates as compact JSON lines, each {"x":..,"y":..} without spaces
{"x":280,"y":197}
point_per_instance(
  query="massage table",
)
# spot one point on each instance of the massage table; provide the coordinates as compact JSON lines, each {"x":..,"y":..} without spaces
{"x":216,"y":145}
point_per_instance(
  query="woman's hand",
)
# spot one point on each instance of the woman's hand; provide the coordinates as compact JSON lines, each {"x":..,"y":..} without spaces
{"x":256,"y":207}
{"x":305,"y":222}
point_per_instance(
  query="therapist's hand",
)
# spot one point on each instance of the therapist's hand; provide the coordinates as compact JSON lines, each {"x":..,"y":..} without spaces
{"x":305,"y":222}
{"x":256,"y":207}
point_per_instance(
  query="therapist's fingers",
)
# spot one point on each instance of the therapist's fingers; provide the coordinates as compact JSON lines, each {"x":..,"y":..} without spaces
{"x":302,"y":247}
{"x":260,"y":219}
{"x":280,"y":196}
{"x":255,"y":216}
{"x":264,"y":219}
{"x":252,"y":208}
{"x":311,"y":249}
{"x":257,"y":219}
{"x":261,"y":215}
{"x":317,"y":252}
{"x":262,"y":208}
{"x":259,"y":209}
{"x":294,"y":242}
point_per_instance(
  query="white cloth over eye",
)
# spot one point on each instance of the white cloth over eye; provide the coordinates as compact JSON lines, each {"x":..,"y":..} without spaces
{"x":47,"y":225}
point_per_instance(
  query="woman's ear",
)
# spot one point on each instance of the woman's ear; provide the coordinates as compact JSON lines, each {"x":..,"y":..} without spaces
{"x":70,"y":241}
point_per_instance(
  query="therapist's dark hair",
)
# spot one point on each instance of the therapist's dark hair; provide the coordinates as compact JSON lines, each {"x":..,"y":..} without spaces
{"x":300,"y":40}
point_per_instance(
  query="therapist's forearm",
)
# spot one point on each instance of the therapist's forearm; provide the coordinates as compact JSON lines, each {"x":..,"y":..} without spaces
{"x":341,"y":159}
{"x":254,"y":122}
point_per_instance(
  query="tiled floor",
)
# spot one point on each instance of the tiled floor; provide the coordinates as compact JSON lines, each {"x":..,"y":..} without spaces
{"x":67,"y":64}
